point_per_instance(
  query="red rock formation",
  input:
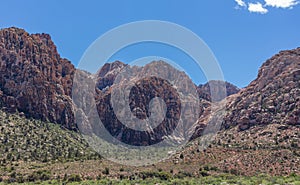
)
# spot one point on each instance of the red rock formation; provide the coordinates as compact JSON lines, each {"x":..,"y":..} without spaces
{"x":34,"y":79}
{"x":273,"y":97}
{"x":144,"y":90}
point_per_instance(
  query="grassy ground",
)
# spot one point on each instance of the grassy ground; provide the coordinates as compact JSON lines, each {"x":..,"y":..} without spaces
{"x":220,"y":179}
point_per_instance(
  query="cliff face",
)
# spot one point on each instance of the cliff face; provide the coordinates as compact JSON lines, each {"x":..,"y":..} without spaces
{"x":108,"y":73}
{"x":147,"y":82}
{"x":34,"y":79}
{"x":37,"y":82}
{"x":273,"y":97}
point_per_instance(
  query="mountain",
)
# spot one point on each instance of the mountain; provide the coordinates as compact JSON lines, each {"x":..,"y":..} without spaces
{"x":34,"y":79}
{"x":273,"y":97}
{"x":204,"y":89}
{"x":147,"y":83}
{"x":261,"y":126}
{"x":108,"y":73}
{"x":107,"y":76}
{"x":259,"y":133}
{"x":37,"y":82}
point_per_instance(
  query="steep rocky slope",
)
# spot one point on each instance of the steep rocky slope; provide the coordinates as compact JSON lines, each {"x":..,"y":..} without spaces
{"x":34,"y":79}
{"x":37,"y":82}
{"x":261,"y":127}
{"x":148,"y":84}
{"x":105,"y":80}
{"x":273,"y":97}
{"x":108,"y":73}
{"x":29,"y":140}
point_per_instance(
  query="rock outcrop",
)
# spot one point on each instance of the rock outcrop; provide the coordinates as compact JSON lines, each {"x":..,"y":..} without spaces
{"x":147,"y":82}
{"x":34,"y":79}
{"x":273,"y":97}
{"x":108,"y":73}
{"x":205,"y":90}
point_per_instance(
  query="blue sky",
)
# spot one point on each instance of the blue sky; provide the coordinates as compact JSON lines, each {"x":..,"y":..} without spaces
{"x":241,"y":36}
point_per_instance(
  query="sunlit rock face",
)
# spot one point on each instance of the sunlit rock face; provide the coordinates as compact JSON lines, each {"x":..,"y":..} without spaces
{"x":273,"y":97}
{"x":34,"y":79}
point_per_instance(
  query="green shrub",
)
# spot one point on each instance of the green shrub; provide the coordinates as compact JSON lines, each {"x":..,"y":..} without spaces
{"x":74,"y":178}
{"x":181,"y":156}
{"x":204,"y":173}
{"x":99,"y":177}
{"x":42,"y":175}
{"x":150,"y":174}
{"x":183,"y":174}
{"x":106,"y":171}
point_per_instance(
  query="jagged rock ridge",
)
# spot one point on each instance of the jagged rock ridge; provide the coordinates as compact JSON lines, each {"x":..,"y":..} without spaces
{"x":145,"y":89}
{"x":273,"y":97}
{"x":205,"y":91}
{"x":34,"y":79}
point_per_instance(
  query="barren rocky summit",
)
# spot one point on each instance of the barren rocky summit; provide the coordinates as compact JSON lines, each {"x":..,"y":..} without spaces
{"x":37,"y":82}
{"x":273,"y":97}
{"x":34,"y":79}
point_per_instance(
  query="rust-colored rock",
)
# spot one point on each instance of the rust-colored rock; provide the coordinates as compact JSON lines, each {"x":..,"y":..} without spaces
{"x":34,"y":79}
{"x":273,"y":97}
{"x":144,"y":90}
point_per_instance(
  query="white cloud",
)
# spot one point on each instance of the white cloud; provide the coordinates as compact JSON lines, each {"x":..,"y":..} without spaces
{"x":241,"y":3}
{"x":262,"y":7}
{"x":257,"y":8}
{"x":281,"y":3}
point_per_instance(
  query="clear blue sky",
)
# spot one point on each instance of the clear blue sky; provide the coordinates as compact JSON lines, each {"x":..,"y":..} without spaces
{"x":241,"y":39}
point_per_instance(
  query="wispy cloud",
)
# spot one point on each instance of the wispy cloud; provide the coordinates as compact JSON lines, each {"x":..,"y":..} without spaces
{"x":257,"y":8}
{"x":241,"y":3}
{"x":281,"y":3}
{"x":263,"y":6}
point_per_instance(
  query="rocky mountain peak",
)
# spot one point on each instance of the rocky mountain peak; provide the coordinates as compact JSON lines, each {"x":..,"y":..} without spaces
{"x":205,"y":91}
{"x":273,"y":97}
{"x":34,"y":79}
{"x":279,"y":66}
{"x":155,"y":79}
{"x":111,"y":69}
{"x":108,"y":73}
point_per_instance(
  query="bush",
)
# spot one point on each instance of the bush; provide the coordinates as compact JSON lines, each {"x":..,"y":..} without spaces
{"x":161,"y":175}
{"x":74,"y":178}
{"x":204,"y":173}
{"x":234,"y":172}
{"x":181,"y":156}
{"x":183,"y":174}
{"x":42,"y":175}
{"x":206,"y":168}
{"x":99,"y":177}
{"x":106,"y":171}
{"x":20,"y":179}
{"x":13,"y":174}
